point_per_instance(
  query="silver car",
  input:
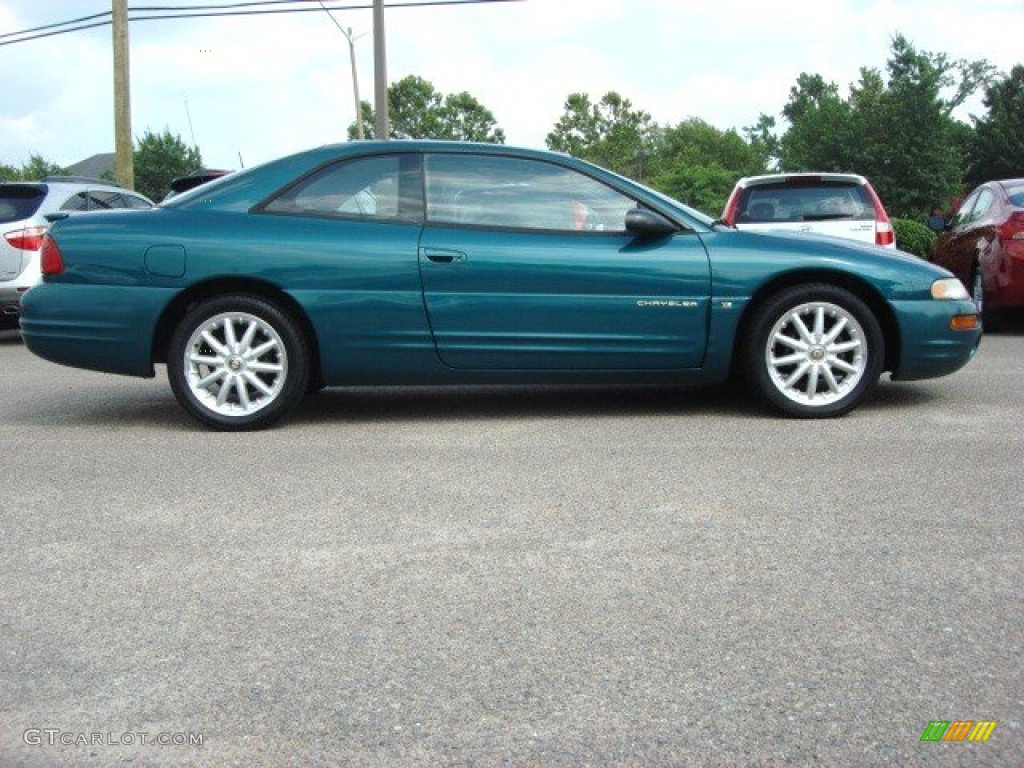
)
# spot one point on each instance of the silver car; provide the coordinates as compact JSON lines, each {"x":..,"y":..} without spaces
{"x":23,"y":209}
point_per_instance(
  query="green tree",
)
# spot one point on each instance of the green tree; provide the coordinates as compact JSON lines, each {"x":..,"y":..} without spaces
{"x":898,"y":131}
{"x":609,"y":133}
{"x":820,"y":130}
{"x":699,"y":164}
{"x":36,"y":168}
{"x":761,"y":136}
{"x":159,"y":159}
{"x":996,"y":149}
{"x":416,"y":110}
{"x":916,"y":165}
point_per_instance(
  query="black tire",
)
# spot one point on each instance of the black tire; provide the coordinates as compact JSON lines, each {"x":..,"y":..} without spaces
{"x":820,"y":371}
{"x":238,"y":362}
{"x":978,"y":289}
{"x":988,"y":319}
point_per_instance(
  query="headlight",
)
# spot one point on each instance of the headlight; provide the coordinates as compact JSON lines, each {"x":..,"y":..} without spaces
{"x":949,"y":288}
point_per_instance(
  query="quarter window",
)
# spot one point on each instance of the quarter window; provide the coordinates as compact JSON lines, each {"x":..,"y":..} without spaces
{"x":382,"y":187}
{"x":505,"y":192}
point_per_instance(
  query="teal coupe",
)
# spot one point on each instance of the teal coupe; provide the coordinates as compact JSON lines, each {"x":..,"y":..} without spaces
{"x":416,"y":262}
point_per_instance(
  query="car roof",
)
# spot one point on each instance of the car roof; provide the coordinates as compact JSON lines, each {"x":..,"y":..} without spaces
{"x":61,"y":183}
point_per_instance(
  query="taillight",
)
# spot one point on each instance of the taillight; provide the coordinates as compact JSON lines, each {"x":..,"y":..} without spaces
{"x":1013,"y":227}
{"x":51,"y":262}
{"x":729,"y":214}
{"x":28,"y":239}
{"x":884,"y":233}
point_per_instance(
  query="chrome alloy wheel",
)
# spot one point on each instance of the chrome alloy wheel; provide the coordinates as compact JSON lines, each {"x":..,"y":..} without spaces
{"x":235,"y":364}
{"x":816,"y":353}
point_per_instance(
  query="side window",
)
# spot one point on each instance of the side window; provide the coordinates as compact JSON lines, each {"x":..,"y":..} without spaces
{"x":505,"y":192}
{"x":101,"y":200}
{"x":381,"y":187}
{"x":79,"y":202}
{"x":135,"y":202}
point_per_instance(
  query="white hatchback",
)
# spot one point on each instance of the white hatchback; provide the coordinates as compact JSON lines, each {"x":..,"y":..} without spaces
{"x":836,"y":204}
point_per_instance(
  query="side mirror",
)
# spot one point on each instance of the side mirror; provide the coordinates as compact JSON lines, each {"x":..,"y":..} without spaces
{"x":644,"y":223}
{"x":937,"y":224}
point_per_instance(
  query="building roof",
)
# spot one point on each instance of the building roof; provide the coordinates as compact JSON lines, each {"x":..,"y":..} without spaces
{"x":94,"y":166}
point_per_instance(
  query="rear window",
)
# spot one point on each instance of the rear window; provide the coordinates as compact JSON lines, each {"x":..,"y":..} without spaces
{"x":805,"y":200}
{"x":17,"y":203}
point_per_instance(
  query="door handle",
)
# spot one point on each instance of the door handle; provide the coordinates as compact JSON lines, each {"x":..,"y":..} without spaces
{"x":443,"y":255}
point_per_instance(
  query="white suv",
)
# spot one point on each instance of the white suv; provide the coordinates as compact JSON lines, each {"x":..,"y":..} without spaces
{"x":837,"y":204}
{"x":23,"y":209}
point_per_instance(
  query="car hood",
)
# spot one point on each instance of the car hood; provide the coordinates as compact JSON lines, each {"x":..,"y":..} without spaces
{"x":818,"y":241}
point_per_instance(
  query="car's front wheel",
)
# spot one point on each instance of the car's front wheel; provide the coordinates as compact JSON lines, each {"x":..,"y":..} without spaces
{"x":814,"y":351}
{"x":978,"y":290}
{"x":238,"y":362}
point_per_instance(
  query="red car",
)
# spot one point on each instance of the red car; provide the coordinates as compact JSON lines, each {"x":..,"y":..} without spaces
{"x":983,"y":244}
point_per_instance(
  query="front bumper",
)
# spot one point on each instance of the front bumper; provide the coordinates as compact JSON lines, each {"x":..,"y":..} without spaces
{"x":929,"y":347}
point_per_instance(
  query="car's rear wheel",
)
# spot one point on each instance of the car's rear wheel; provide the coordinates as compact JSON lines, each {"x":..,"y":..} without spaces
{"x":238,"y":362}
{"x":814,"y":351}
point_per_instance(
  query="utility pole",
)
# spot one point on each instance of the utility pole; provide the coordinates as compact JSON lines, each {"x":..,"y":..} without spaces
{"x":360,"y":133}
{"x":380,"y":72}
{"x":124,"y":169}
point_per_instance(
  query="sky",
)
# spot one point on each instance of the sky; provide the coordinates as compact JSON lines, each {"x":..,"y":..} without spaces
{"x":247,"y":90}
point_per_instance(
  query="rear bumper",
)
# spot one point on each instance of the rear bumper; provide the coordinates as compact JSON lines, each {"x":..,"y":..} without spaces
{"x":101,"y":328}
{"x":928,"y":346}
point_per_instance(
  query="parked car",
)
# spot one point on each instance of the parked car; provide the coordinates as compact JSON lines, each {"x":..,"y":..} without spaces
{"x":193,"y":180}
{"x":23,"y":210}
{"x":837,"y":204}
{"x":441,"y":262}
{"x":983,"y":245}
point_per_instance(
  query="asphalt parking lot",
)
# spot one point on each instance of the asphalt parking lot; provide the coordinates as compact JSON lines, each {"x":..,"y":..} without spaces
{"x":552,"y":577}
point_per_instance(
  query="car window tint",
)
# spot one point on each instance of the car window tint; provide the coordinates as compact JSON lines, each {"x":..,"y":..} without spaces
{"x":983,"y":205}
{"x":79,"y":202}
{"x":378,"y":187}
{"x":135,"y":202}
{"x":102,"y":200}
{"x":963,"y":213}
{"x":812,"y":201}
{"x":506,"y":192}
{"x":17,"y":203}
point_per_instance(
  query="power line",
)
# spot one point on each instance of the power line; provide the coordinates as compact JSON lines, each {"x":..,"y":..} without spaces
{"x":154,"y":13}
